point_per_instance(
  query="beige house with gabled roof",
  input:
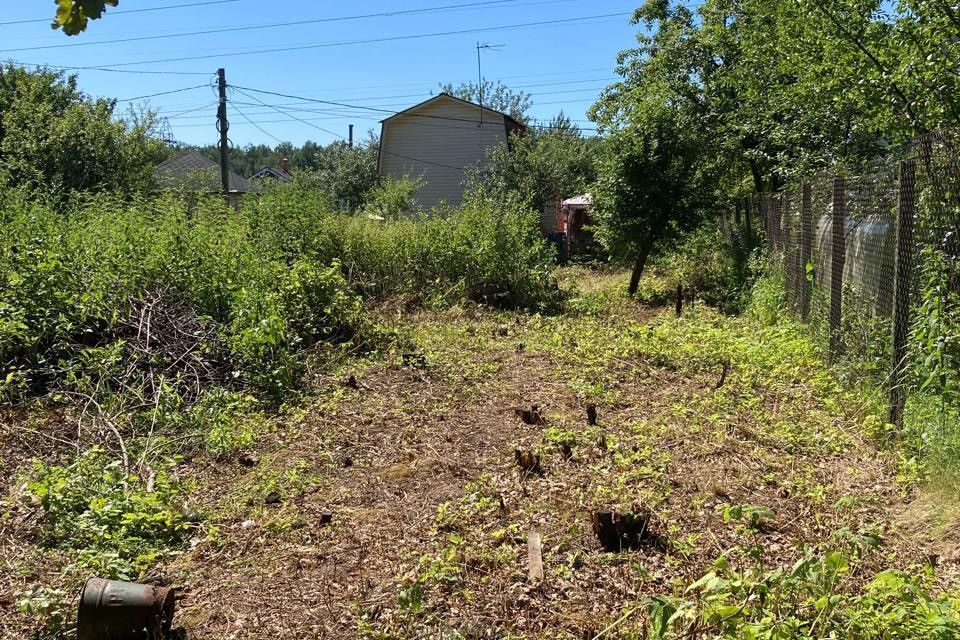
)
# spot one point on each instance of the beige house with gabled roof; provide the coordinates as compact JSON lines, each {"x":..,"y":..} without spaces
{"x":439,"y":140}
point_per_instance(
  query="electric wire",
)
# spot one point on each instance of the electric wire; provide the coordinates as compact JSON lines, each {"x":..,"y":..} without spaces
{"x":343,"y":43}
{"x":163,"y":93}
{"x":309,"y":124}
{"x":60,"y":67}
{"x":193,"y":110}
{"x":123,"y":11}
{"x":273,"y":25}
{"x":261,"y":129}
{"x":377,"y":109}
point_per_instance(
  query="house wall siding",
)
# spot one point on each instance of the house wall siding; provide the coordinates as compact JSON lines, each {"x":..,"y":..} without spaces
{"x":439,"y":150}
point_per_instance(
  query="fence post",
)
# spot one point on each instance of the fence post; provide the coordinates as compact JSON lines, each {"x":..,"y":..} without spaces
{"x":766,"y":202}
{"x":784,"y":220}
{"x":777,"y":206}
{"x":902,"y":284}
{"x":839,"y":257}
{"x":806,"y":249}
{"x":788,"y":247}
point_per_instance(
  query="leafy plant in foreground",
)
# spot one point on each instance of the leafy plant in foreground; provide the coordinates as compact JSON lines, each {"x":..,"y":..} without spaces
{"x":819,"y":596}
{"x":112,"y":521}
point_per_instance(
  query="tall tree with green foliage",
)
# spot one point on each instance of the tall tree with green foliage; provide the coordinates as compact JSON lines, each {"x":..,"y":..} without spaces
{"x":496,"y":96}
{"x":786,"y":87}
{"x":55,"y":139}
{"x":540,"y":165}
{"x":651,"y":182}
{"x":343,"y":172}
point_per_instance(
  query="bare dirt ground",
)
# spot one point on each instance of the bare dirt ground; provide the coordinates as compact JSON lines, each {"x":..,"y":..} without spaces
{"x":391,"y":504}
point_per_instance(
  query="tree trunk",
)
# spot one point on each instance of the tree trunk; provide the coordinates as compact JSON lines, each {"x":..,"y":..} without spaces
{"x":757,"y":176}
{"x":639,"y":265}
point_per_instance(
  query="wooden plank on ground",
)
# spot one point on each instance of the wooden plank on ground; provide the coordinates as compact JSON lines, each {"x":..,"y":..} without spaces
{"x":534,"y":557}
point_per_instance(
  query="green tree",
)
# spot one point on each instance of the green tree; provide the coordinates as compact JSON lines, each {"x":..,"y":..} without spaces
{"x":785,"y":87}
{"x":540,"y":165}
{"x":496,"y":96}
{"x":345,"y":173}
{"x":72,"y":15}
{"x":55,"y":139}
{"x":651,"y":183}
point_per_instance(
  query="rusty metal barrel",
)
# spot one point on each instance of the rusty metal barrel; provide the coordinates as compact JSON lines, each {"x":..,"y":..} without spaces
{"x":116,"y":610}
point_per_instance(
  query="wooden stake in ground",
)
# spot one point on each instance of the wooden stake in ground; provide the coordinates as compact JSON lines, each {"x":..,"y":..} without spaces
{"x":534,"y":557}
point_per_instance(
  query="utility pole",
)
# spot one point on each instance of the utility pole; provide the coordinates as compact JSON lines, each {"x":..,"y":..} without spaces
{"x":350,"y":139}
{"x":223,"y":126}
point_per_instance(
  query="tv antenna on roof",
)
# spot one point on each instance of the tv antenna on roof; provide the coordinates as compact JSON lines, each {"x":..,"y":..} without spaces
{"x":489,"y":47}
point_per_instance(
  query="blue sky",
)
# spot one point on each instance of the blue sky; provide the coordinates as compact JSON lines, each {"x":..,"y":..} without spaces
{"x":563,"y":64}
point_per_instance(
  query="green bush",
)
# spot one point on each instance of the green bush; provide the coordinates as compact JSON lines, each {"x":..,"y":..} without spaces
{"x":229,"y":421}
{"x":711,"y":267}
{"x":292,"y":309}
{"x":487,"y":251}
{"x":112,"y":521}
{"x":274,"y":278}
{"x":67,"y":280}
{"x":819,"y":596}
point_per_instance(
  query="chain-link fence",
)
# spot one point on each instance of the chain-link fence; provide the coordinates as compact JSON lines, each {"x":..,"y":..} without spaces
{"x":871,"y":262}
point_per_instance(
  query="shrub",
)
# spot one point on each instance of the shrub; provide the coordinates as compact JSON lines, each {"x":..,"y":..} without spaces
{"x":290,"y":310}
{"x":818,"y":597}
{"x":273,"y":278}
{"x":115,"y":523}
{"x":229,"y":421}
{"x":711,"y":267}
{"x":392,"y":198}
{"x":487,"y":251}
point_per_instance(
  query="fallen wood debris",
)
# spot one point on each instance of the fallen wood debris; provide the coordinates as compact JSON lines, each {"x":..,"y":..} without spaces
{"x":534,"y":557}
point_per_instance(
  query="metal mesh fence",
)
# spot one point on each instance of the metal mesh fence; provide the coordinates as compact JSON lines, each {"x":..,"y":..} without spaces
{"x":871,"y":262}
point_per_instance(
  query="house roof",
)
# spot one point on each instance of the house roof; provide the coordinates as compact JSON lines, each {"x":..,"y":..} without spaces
{"x":183,"y":169}
{"x":446,"y":96}
{"x":584,"y":200}
{"x":270,"y":172}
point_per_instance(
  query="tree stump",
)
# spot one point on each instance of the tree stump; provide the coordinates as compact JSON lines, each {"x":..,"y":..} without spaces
{"x":592,"y":415}
{"x":618,"y":531}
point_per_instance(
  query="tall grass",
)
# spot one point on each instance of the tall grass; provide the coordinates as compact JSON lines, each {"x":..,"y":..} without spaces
{"x":487,"y":251}
{"x":276,"y":276}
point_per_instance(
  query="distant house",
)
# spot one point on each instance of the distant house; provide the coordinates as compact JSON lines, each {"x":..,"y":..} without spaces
{"x":269,"y":173}
{"x":438,"y":140}
{"x":194,"y":171}
{"x":574,"y":216}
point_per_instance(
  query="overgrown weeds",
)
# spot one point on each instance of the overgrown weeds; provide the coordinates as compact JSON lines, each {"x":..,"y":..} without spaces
{"x":112,"y":521}
{"x":827,"y":594}
{"x":172,"y":324}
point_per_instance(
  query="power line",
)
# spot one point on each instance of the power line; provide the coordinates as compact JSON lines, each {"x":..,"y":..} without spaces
{"x":427,"y":162}
{"x":261,"y":129}
{"x":435,"y":164}
{"x":436,"y":125}
{"x":432,"y":82}
{"x":368,"y":41}
{"x":163,"y":93}
{"x":193,"y":110}
{"x":375,"y":109}
{"x":425,"y":95}
{"x":309,"y":124}
{"x":273,"y":25}
{"x":385,"y":108}
{"x":123,"y":11}
{"x":58,"y":67}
